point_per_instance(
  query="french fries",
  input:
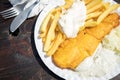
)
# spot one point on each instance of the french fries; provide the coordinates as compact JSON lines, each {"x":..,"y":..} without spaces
{"x":56,"y":44}
{"x":90,"y":23}
{"x":106,"y":5}
{"x":43,"y":28}
{"x":95,"y":8}
{"x":87,"y":1}
{"x":93,"y":15}
{"x":51,"y":33}
{"x":68,"y":4}
{"x":93,"y":3}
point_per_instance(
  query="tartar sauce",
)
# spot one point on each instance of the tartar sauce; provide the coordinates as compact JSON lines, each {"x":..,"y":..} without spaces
{"x":73,"y":19}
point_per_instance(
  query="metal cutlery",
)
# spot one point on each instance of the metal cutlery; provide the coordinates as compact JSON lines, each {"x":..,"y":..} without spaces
{"x":21,"y":17}
{"x":14,"y":11}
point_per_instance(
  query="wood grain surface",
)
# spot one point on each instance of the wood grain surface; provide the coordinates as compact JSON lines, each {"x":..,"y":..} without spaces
{"x":19,"y":59}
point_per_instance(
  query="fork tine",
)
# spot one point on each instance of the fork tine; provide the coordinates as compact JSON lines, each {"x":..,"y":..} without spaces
{"x":9,"y":13}
{"x":6,"y":10}
{"x":10,"y":16}
{"x":12,"y":13}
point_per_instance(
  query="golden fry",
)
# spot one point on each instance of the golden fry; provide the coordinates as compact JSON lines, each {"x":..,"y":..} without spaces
{"x":93,"y":3}
{"x":90,"y":23}
{"x":95,"y":8}
{"x":43,"y":40}
{"x":43,"y":34}
{"x":87,"y":1}
{"x":106,"y":5}
{"x":51,"y":32}
{"x":106,"y":12}
{"x":45,"y":25}
{"x":56,"y":44}
{"x":68,"y":4}
{"x":93,"y":15}
{"x":57,"y":29}
{"x":45,"y":22}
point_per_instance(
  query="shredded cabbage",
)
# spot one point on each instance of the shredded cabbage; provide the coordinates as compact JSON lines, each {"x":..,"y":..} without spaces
{"x":112,"y":41}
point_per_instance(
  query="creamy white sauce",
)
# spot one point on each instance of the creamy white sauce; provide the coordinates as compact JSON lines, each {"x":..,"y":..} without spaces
{"x":73,"y":19}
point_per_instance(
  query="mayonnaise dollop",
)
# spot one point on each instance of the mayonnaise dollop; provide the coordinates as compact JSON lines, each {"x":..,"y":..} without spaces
{"x":73,"y":19}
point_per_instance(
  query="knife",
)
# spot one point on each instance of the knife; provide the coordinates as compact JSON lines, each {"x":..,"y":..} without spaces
{"x":21,"y":18}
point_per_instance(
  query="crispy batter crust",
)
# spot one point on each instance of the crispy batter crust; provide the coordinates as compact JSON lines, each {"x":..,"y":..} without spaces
{"x":73,"y":51}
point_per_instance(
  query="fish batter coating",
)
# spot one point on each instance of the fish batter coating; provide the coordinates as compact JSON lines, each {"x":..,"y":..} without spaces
{"x":105,"y":27}
{"x":73,"y":51}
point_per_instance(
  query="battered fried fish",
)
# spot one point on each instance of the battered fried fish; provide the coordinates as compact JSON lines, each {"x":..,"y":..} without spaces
{"x":73,"y":51}
{"x":105,"y":27}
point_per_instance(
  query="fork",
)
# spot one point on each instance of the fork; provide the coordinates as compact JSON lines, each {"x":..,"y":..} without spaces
{"x":13,"y":11}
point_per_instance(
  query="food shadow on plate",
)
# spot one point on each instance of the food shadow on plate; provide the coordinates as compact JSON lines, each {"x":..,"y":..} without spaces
{"x":35,"y":52}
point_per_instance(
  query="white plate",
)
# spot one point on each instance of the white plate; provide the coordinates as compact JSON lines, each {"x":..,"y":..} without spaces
{"x":63,"y":73}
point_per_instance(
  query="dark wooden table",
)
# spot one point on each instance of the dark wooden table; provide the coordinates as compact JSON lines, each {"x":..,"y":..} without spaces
{"x":19,"y":59}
